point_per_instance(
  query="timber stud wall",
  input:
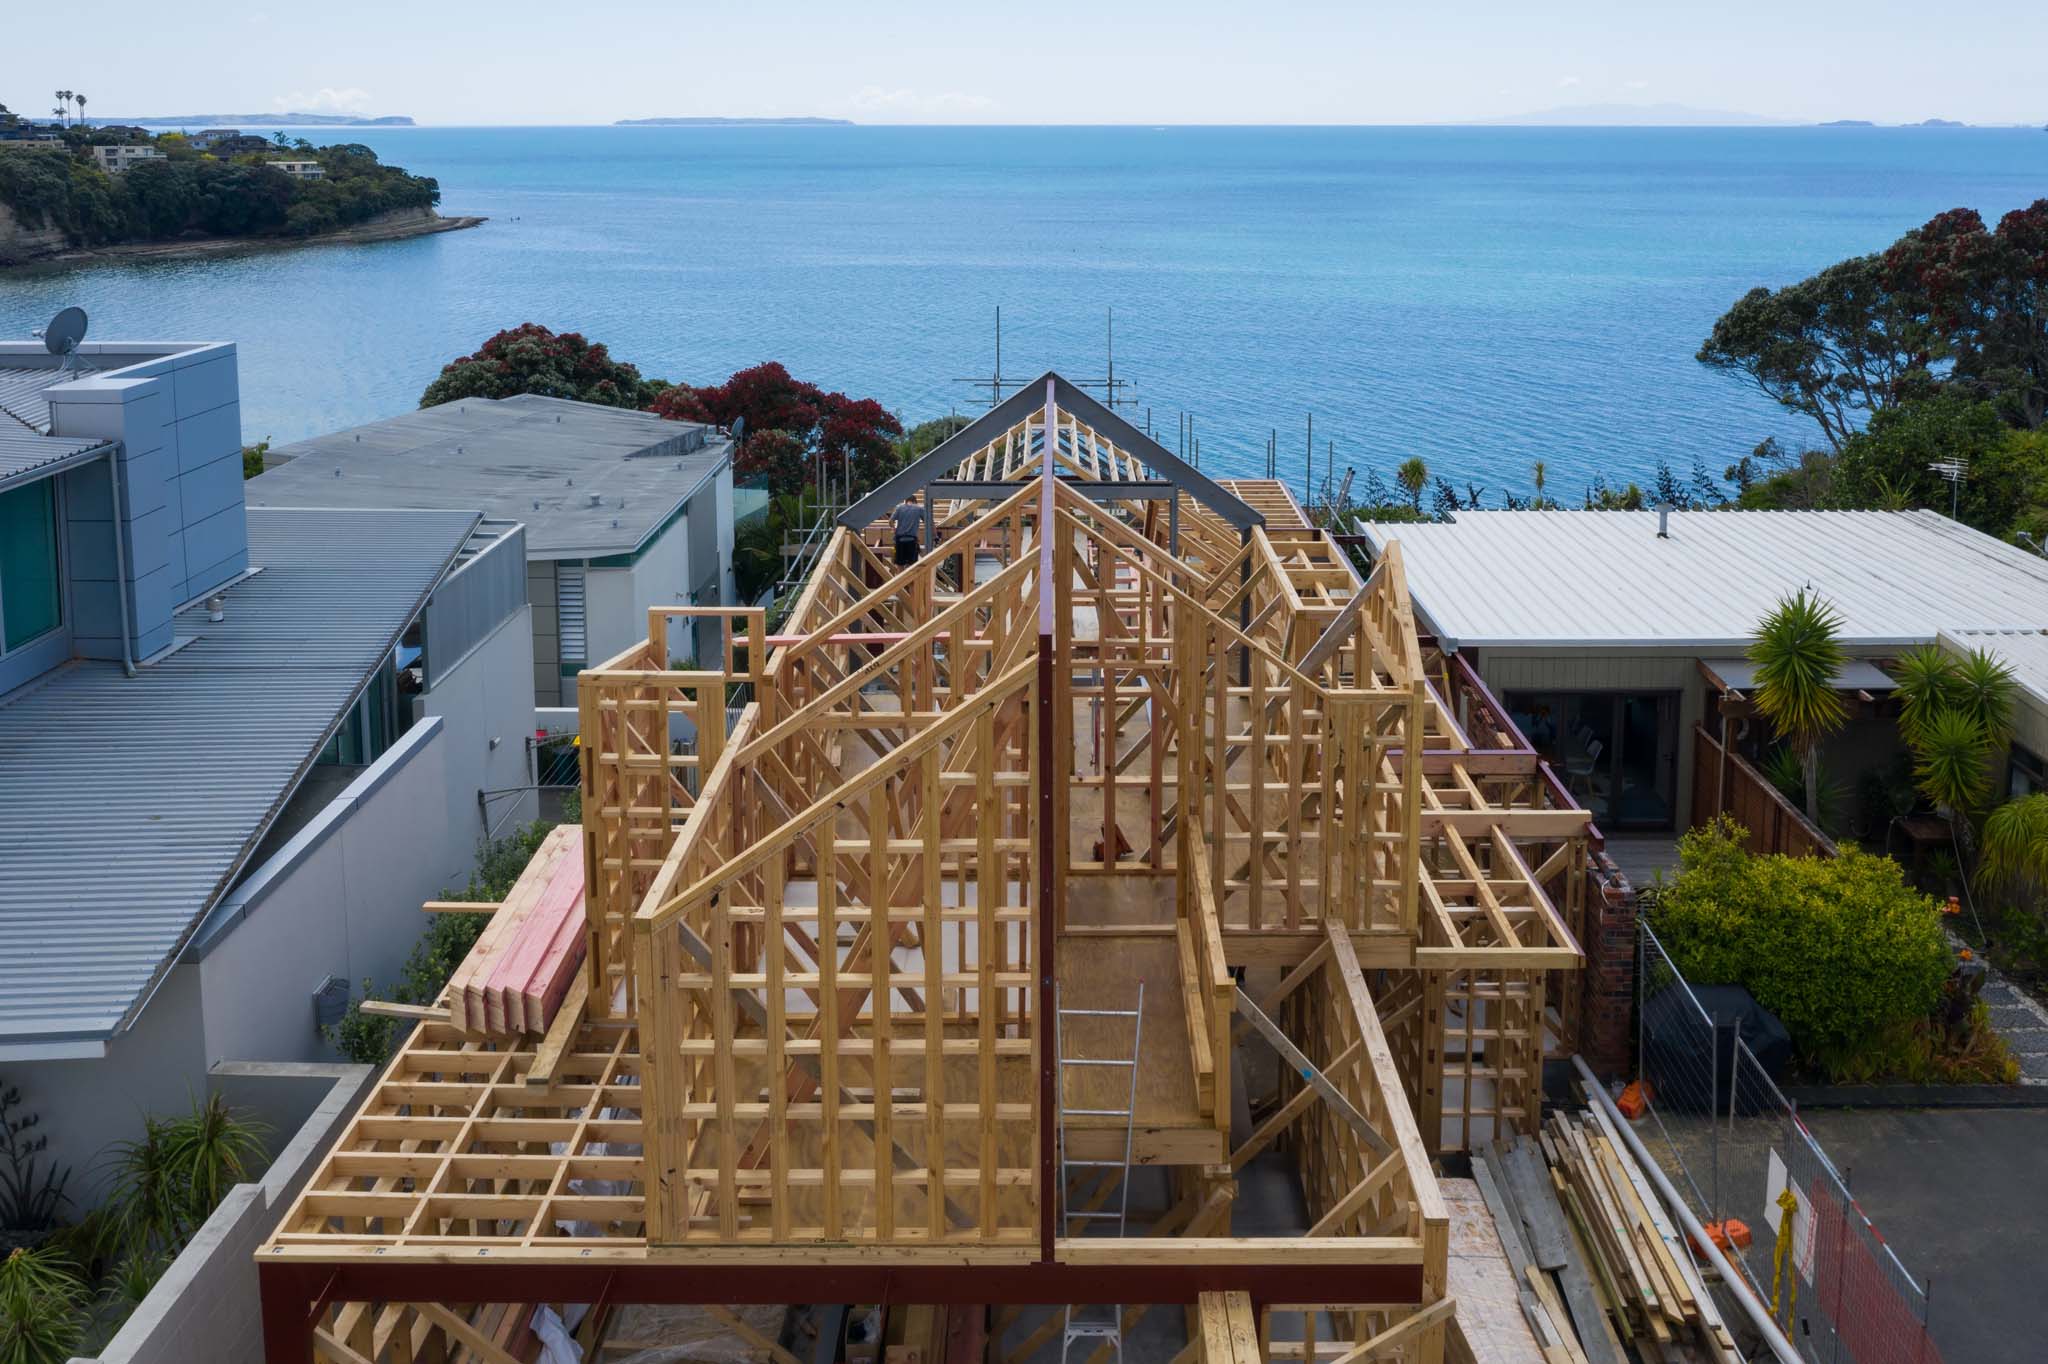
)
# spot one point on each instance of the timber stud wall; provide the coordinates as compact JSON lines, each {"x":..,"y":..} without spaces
{"x":823,"y":935}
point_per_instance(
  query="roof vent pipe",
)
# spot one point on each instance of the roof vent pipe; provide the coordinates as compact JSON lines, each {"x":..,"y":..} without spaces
{"x":216,"y":608}
{"x":597,"y":499}
{"x":1663,"y":520}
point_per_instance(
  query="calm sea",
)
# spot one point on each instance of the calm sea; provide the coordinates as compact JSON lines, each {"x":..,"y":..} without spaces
{"x":1481,"y":297}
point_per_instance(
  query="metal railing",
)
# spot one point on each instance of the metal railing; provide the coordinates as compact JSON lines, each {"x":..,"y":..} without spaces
{"x":1733,"y":1144}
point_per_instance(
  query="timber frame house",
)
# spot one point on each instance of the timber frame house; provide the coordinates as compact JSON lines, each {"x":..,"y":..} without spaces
{"x":1121,"y":722}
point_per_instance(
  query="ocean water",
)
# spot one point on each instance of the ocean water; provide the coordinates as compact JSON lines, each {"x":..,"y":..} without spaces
{"x":1483,"y":298}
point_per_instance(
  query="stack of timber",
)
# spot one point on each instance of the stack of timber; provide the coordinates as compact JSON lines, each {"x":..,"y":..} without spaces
{"x":516,"y":977}
{"x":1605,"y":1278}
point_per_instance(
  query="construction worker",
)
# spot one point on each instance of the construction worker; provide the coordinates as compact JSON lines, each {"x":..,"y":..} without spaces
{"x":909,"y":519}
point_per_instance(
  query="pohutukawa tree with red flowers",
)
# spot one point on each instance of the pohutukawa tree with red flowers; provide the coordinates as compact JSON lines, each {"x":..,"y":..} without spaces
{"x":530,"y":358}
{"x":795,"y":430}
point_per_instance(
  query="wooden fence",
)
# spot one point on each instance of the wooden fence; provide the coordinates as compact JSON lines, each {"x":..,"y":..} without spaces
{"x":1724,"y":782}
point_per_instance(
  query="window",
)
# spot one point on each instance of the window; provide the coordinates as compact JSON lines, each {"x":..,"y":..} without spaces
{"x":30,"y":602}
{"x":2027,"y":775}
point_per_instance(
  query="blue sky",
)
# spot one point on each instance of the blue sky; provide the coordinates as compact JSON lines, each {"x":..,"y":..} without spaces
{"x":1138,"y":61}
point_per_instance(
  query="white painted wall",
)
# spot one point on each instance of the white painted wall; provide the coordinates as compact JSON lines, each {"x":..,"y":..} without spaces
{"x":341,"y":898}
{"x":86,"y":1105}
{"x":488,"y":696}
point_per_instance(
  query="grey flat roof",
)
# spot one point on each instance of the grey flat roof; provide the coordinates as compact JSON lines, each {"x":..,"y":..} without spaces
{"x":528,"y":459}
{"x":131,"y":804}
{"x":1601,"y":579}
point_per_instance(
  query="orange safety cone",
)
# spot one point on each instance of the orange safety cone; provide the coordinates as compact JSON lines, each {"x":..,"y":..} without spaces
{"x":1635,"y":1100}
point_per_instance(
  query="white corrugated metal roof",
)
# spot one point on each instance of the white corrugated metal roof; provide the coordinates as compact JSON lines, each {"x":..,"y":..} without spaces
{"x":1594,"y":579}
{"x":131,"y":803}
{"x":2024,"y":651}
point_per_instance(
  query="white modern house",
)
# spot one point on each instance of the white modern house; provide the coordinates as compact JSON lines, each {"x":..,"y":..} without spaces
{"x":623,"y":510}
{"x":239,"y":746}
{"x":297,"y":168}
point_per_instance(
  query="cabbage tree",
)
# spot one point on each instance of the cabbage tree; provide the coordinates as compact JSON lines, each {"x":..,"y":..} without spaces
{"x":1797,"y":659}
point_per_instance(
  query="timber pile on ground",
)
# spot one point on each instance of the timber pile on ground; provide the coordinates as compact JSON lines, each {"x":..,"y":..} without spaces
{"x":1605,"y":1277}
{"x":515,"y":979}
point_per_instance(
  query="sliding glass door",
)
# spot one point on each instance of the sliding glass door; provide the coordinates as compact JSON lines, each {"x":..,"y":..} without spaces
{"x":1617,"y":752}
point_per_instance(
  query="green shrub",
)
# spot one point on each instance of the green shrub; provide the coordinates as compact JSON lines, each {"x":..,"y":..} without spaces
{"x":367,"y":1038}
{"x":43,"y":1308}
{"x":1840,"y":949}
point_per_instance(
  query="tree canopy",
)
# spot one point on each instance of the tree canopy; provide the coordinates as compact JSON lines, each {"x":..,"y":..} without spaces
{"x":1933,"y":351}
{"x":794,"y":429}
{"x":187,"y":192}
{"x":530,"y":358}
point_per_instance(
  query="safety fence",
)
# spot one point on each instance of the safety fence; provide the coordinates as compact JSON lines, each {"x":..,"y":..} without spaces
{"x":1735,"y":1147}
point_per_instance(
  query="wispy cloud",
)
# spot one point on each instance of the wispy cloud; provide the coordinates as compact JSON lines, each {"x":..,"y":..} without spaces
{"x":1568,"y":82}
{"x":874,"y":99}
{"x":1635,"y":85}
{"x":325,"y":100}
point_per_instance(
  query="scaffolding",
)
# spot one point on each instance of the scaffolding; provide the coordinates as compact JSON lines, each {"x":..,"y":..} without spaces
{"x":1120,"y":722}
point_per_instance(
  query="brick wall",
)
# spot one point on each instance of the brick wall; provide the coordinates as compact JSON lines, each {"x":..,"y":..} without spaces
{"x":1607,"y":1001}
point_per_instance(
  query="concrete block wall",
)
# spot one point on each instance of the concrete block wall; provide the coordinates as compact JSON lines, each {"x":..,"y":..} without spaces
{"x":207,"y":1309}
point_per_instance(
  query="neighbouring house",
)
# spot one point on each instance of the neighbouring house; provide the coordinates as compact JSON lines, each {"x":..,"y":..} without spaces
{"x":240,"y":144}
{"x":1618,"y":641}
{"x":16,"y":129}
{"x":297,"y":169}
{"x":207,"y":138}
{"x":118,"y":158}
{"x":133,"y":132}
{"x":240,"y":745}
{"x":623,"y":510}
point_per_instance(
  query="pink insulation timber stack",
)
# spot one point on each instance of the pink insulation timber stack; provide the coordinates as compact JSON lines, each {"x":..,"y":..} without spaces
{"x":516,"y":976}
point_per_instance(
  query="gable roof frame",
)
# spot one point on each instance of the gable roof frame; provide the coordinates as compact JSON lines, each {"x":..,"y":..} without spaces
{"x":1017,"y":409}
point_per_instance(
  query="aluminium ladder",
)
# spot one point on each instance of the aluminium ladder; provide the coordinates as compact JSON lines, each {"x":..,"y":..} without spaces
{"x":1085,"y":1322}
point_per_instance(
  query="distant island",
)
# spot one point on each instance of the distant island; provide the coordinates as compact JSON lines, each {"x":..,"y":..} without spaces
{"x":1935,"y":123}
{"x":260,"y":121}
{"x":1848,"y":123}
{"x":733,"y":123}
{"x":1634,"y":116}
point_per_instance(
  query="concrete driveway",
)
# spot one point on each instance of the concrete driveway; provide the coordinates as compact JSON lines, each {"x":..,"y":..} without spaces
{"x":1961,"y":1195}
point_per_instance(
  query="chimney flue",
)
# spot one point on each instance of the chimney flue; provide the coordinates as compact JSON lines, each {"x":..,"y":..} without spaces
{"x":1663,"y":520}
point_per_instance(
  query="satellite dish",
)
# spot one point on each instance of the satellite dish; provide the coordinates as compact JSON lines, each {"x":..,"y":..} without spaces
{"x":65,"y":331}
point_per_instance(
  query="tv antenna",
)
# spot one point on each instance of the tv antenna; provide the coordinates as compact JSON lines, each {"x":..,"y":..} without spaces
{"x":994,"y":382}
{"x":1955,"y":469}
{"x":1114,"y":390}
{"x":62,"y":336}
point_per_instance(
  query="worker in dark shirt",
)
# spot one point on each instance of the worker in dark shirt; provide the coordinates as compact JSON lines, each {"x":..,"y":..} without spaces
{"x":909,"y":526}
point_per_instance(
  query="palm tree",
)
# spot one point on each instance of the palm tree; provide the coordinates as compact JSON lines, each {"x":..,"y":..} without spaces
{"x":1797,"y":659}
{"x":1413,"y":475}
{"x":1983,"y":690}
{"x":2015,"y":846}
{"x":1951,"y":766}
{"x":79,"y":100}
{"x":63,"y":109}
{"x":1923,"y":679}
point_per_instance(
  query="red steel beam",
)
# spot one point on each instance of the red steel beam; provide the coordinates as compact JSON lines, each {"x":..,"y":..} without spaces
{"x":290,"y":1287}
